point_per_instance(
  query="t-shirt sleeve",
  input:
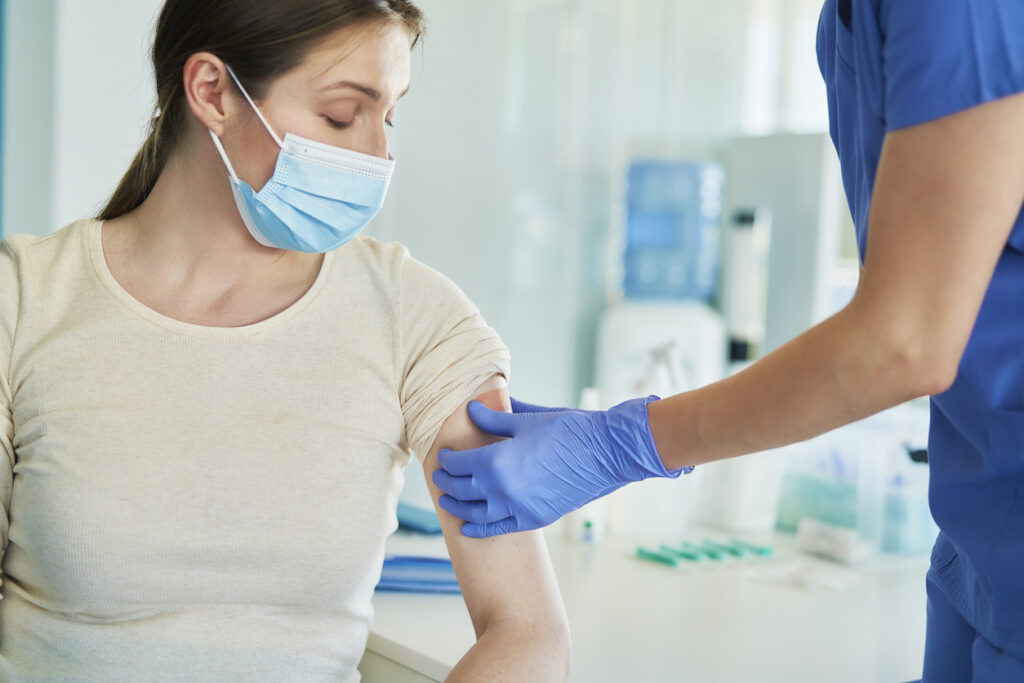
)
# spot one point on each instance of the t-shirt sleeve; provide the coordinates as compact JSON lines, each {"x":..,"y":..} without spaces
{"x":941,"y":57}
{"x":9,"y":306}
{"x":447,"y":352}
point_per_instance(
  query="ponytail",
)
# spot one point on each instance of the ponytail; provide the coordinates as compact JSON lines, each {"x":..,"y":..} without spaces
{"x":144,"y":171}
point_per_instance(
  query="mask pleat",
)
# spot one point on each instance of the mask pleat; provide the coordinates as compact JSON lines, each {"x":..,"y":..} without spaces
{"x":319,"y":198}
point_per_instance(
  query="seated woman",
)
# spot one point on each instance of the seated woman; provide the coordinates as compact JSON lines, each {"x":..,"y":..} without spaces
{"x":207,"y":400}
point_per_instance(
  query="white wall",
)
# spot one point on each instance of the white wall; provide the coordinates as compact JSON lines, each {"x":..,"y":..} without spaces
{"x":103,"y":100}
{"x":28,"y":116}
{"x":78,"y":91}
{"x":513,"y":143}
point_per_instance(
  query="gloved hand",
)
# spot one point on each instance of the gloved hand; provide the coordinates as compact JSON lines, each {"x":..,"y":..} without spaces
{"x":554,"y":462}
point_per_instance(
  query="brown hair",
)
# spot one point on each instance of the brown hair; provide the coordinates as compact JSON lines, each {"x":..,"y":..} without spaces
{"x":260,"y":39}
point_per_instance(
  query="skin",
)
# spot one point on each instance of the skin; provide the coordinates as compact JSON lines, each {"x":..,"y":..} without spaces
{"x":947,"y":195}
{"x":186,"y":253}
{"x":507,"y":581}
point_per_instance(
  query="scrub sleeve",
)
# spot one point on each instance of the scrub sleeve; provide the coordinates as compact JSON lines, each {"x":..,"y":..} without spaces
{"x":888,"y":65}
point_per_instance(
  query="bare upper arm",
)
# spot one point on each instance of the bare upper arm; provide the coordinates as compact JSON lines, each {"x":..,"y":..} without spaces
{"x":505,"y":577}
{"x":946,"y":197}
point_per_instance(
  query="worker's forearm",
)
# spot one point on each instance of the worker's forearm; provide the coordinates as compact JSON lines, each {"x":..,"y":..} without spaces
{"x":512,"y":651}
{"x":840,"y":371}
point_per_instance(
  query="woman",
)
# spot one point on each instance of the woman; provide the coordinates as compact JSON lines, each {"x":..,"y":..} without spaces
{"x":208,"y":395}
{"x":926,"y":101}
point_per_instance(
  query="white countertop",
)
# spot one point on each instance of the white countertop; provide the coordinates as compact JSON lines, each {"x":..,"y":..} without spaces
{"x":634,"y":620}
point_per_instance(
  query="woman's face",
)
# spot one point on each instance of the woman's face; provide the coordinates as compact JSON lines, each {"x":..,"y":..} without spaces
{"x":344,"y":94}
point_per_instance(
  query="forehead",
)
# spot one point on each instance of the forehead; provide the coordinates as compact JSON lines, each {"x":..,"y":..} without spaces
{"x":375,"y":55}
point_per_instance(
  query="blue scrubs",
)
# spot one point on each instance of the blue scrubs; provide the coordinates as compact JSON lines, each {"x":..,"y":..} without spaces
{"x":890,"y":64}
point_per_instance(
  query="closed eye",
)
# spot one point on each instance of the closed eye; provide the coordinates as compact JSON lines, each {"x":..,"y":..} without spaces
{"x":337,"y":125}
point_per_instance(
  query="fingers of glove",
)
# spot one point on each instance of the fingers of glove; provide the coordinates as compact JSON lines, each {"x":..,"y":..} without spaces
{"x":493,"y":421}
{"x":463,"y":488}
{"x":474,"y":511}
{"x":464,"y":463}
{"x":524,"y":407}
{"x":502,"y":526}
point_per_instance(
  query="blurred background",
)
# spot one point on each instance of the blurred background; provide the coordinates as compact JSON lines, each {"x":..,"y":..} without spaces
{"x":514,"y":145}
{"x":640,"y":195}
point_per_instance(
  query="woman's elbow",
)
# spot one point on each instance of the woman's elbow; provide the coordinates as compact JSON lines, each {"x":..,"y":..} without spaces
{"x":541,"y":640}
{"x":552,"y":636}
{"x":559,"y":640}
{"x":564,"y":649}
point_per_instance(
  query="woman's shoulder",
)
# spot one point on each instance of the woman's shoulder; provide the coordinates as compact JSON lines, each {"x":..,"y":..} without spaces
{"x":21,"y":255}
{"x":390,"y":265}
{"x":27,"y":264}
{"x":44,"y":270}
{"x":376,"y":253}
{"x":386,"y":262}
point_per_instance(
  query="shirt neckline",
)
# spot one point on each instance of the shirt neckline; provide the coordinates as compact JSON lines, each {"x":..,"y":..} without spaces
{"x":94,"y":235}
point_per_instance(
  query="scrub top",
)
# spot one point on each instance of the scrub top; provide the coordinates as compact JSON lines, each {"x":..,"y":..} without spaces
{"x":891,"y":64}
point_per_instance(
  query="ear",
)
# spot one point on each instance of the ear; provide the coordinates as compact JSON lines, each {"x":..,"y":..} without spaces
{"x":209,"y":91}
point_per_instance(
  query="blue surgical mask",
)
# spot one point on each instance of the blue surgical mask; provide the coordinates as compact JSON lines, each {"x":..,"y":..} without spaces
{"x":319,"y":198}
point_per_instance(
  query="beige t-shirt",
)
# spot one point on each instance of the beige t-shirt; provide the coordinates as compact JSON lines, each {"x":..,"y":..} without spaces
{"x":197,"y":503}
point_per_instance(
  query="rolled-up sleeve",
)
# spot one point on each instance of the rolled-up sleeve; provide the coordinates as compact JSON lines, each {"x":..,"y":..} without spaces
{"x":9,"y":307}
{"x":941,"y":57}
{"x":448,"y":351}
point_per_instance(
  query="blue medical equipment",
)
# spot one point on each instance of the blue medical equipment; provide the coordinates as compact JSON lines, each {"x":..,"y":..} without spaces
{"x":673,"y":234}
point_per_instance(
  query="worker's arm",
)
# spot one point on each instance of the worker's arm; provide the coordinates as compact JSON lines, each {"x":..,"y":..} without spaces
{"x":508,"y":582}
{"x":946,"y":197}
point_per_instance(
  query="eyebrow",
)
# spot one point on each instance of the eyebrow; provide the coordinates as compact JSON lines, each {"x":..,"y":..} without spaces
{"x":366,"y":90}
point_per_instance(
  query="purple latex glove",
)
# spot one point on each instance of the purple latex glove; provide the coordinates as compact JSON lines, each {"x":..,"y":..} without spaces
{"x":554,"y":462}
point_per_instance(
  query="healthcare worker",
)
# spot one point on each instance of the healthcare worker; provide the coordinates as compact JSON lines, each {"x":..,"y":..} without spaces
{"x":926,"y":103}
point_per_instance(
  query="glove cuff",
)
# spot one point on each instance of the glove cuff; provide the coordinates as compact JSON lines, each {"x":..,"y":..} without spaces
{"x":629,"y":426}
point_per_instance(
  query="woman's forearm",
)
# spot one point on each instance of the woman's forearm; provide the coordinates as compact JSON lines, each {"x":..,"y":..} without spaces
{"x":845,"y":369}
{"x":512,"y":651}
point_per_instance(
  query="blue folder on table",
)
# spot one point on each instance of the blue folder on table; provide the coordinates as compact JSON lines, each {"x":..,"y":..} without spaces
{"x":418,"y":574}
{"x":419,"y":519}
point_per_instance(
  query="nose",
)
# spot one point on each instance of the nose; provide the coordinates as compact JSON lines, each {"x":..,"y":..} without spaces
{"x":375,"y":142}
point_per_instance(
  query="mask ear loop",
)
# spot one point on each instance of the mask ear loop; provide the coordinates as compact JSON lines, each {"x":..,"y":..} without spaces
{"x":224,"y":155}
{"x":254,"y":107}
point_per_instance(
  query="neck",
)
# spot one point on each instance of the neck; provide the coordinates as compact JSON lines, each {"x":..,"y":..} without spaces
{"x":189,"y":226}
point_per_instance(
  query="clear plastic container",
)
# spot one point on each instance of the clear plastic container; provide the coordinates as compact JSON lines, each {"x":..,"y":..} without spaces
{"x":861,"y":477}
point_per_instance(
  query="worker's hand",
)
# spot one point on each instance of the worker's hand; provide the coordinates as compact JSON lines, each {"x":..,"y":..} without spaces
{"x":523,"y":407}
{"x":554,"y":462}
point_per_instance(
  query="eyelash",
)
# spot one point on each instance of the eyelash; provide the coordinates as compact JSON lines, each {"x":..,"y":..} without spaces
{"x":341,"y":125}
{"x":337,"y":125}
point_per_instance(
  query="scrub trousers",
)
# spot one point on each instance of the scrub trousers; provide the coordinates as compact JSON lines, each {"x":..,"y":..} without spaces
{"x":956,"y":653}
